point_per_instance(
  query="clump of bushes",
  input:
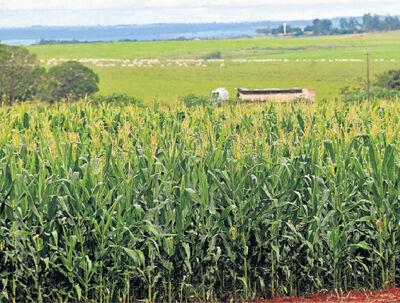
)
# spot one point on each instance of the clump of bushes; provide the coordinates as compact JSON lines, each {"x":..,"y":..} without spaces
{"x":355,"y":94}
{"x":69,"y":81}
{"x":212,"y":55}
{"x":194,"y":100}
{"x":22,"y":78}
{"x":118,"y":99}
{"x":386,"y":86}
{"x":389,"y":79}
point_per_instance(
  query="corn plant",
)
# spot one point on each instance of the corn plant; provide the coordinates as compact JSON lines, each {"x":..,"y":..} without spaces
{"x":103,"y":202}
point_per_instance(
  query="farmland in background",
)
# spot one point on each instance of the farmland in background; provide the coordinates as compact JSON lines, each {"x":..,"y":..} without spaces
{"x":302,"y":62}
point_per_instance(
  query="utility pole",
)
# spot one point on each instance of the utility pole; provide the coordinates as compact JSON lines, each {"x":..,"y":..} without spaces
{"x":368,"y":83}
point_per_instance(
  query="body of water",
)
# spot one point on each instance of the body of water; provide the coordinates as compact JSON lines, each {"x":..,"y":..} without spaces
{"x":19,"y":42}
{"x":149,"y":32}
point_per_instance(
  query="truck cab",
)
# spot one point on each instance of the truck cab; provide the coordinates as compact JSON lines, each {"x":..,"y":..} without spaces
{"x":219,"y":95}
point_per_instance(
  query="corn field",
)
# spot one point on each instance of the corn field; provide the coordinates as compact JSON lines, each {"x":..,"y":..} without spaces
{"x":107,"y":203}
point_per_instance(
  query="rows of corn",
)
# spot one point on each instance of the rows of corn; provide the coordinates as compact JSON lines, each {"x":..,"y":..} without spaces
{"x":106,"y":203}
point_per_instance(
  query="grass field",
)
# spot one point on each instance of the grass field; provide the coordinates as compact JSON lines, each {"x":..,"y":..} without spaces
{"x":384,"y":46}
{"x":169,"y":82}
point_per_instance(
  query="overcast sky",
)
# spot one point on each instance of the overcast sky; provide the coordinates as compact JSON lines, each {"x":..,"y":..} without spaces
{"x":106,"y":12}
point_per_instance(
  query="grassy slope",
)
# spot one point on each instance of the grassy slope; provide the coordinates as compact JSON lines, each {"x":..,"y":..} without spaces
{"x":173,"y":81}
{"x":385,"y":45}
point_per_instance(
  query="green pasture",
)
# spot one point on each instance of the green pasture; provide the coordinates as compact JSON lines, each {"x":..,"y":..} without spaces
{"x":170,"y":82}
{"x":385,"y":46}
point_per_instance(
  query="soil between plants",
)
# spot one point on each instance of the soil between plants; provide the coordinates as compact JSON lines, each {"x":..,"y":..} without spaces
{"x":389,"y":295}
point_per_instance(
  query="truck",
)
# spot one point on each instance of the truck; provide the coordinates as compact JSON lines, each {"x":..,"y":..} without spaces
{"x":262,"y":95}
{"x":219,"y":95}
{"x":275,"y":94}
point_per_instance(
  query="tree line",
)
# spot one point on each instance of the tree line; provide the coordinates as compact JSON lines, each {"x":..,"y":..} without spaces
{"x":73,"y":41}
{"x":351,"y":25}
{"x":22,"y":78}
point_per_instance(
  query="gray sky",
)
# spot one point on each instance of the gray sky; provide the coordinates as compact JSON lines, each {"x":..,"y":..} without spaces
{"x":106,"y":12}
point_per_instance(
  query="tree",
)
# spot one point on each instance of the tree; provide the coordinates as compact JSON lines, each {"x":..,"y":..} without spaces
{"x":278,"y":30}
{"x":389,"y":79}
{"x":391,"y":23}
{"x":353,"y":24}
{"x":308,"y":28}
{"x":323,"y":26}
{"x":344,"y":24}
{"x":70,"y":81}
{"x":316,"y":26}
{"x":263,"y":31}
{"x":371,"y":23}
{"x":326,"y":25}
{"x":20,"y":76}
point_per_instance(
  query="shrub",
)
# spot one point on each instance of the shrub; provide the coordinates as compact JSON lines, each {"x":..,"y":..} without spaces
{"x":212,"y":55}
{"x":194,"y":100}
{"x":355,"y":94}
{"x":70,"y":81}
{"x":389,"y":79}
{"x":117,"y":99}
